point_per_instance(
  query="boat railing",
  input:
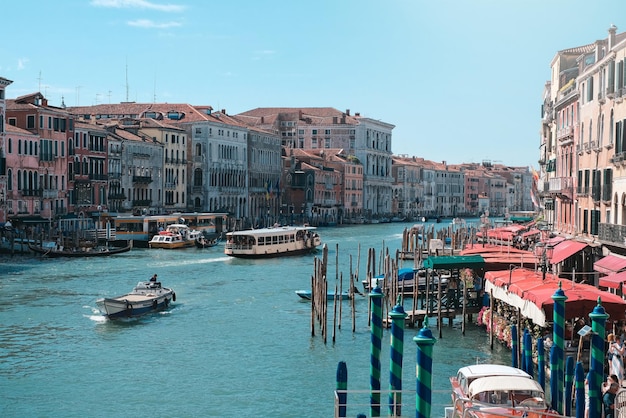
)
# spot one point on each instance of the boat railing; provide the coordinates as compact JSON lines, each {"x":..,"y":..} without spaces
{"x":402,"y":404}
{"x":465,"y":407}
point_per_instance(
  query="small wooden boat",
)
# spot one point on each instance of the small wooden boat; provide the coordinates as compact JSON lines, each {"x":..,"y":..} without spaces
{"x":306,"y":294}
{"x":146,"y":297}
{"x":55,"y":252}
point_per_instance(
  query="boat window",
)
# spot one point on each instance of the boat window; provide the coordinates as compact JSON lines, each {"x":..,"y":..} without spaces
{"x":274,"y":239}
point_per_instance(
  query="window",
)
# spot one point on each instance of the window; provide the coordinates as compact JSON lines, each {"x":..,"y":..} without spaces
{"x":30,"y":122}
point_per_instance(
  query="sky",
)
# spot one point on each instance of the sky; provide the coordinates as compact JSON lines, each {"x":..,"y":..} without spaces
{"x":461,"y":80}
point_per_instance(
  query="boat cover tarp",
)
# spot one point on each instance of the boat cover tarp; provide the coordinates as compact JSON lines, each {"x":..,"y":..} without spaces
{"x":610,"y":264}
{"x":613,"y":281}
{"x":525,"y":289}
{"x":498,"y":383}
{"x":566,"y":249}
{"x":448,"y":262}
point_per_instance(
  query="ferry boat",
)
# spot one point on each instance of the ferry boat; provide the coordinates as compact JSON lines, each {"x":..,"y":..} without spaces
{"x":175,"y":236}
{"x":272,"y":242}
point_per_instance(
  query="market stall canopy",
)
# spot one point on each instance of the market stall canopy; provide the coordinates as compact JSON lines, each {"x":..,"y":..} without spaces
{"x":525,"y":289}
{"x":448,"y":262}
{"x":566,"y":249}
{"x":614,"y":281}
{"x":610,"y":264}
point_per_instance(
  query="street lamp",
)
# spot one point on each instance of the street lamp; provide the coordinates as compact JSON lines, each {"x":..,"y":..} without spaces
{"x":544,"y":252}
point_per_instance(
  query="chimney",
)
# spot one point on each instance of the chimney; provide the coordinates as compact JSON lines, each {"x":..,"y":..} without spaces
{"x":348,"y":112}
{"x":612,"y":31}
{"x":223,"y":111}
{"x":357,"y":114}
{"x":262,"y":120}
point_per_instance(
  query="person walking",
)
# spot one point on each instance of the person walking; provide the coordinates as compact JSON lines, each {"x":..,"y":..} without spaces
{"x":616,"y":355}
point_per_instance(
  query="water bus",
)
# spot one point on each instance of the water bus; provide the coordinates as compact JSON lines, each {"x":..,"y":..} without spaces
{"x":272,"y":242}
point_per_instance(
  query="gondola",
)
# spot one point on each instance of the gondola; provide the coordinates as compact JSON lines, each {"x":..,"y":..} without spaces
{"x":75,"y":252}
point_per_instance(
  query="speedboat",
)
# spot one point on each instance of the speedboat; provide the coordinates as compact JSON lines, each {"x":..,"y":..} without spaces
{"x":175,"y":236}
{"x":492,"y":390}
{"x":146,"y":297}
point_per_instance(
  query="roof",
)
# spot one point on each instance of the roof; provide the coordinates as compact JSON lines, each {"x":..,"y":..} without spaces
{"x":525,"y":289}
{"x":610,"y":264}
{"x":613,"y":281}
{"x":566,"y":249}
{"x":482,"y":370}
{"x":454,"y":262}
{"x":501,"y":383}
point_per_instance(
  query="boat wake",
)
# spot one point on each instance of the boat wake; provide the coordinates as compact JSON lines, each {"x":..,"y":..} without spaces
{"x":184,"y":262}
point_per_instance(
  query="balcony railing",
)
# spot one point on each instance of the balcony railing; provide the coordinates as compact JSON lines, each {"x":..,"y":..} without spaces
{"x":142,"y":179}
{"x":50,"y":194}
{"x":117,"y":196}
{"x":32,"y":192}
{"x":142,"y":202}
{"x":612,"y":234}
{"x":98,"y":177}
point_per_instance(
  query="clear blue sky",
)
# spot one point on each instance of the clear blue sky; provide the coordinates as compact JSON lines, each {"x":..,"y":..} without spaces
{"x":461,"y":80}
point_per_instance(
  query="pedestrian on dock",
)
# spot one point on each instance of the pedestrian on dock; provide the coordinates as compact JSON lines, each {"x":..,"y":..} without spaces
{"x":609,"y":390}
{"x":616,"y":355}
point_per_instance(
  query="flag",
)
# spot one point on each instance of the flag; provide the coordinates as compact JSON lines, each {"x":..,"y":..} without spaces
{"x":267,"y":191}
{"x":277,"y":188}
{"x":534,"y":189}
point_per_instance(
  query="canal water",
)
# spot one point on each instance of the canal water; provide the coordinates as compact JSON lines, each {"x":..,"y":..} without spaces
{"x":236,"y":343}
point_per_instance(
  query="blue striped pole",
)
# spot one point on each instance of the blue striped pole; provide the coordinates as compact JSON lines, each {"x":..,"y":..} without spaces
{"x":528,"y":353}
{"x":522,"y":357}
{"x":569,"y":377}
{"x":554,"y":388}
{"x":398,"y":315}
{"x":376,"y":297}
{"x":342,"y":387}
{"x":424,"y":372}
{"x":558,"y":327}
{"x":514,"y":362}
{"x":541,"y":363}
{"x":580,"y":390}
{"x":596,"y":370}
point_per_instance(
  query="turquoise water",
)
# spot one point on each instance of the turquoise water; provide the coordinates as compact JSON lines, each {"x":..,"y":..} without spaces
{"x":236,"y":343}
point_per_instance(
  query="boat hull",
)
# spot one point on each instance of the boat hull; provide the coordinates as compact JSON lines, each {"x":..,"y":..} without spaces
{"x":52,"y":253}
{"x":306,"y":294}
{"x":132,"y":305}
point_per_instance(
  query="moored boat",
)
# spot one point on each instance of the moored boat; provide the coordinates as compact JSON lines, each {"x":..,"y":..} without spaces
{"x":56,"y":252}
{"x":306,"y":294}
{"x":175,"y":236}
{"x":406,"y":279}
{"x":146,"y":297}
{"x":272,"y":242}
{"x":492,"y":390}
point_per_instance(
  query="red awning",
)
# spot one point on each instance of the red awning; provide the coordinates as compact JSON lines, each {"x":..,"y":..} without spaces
{"x":565,"y":250}
{"x":613,"y":281}
{"x":610,"y":264}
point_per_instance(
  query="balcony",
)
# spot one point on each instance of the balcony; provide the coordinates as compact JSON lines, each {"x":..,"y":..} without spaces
{"x":562,"y":187}
{"x":612,"y":234}
{"x":565,"y":134}
{"x":142,"y":203}
{"x":50,"y":194}
{"x":116,"y":196}
{"x":103,"y":177}
{"x":197,"y":189}
{"x":32,"y":192}
{"x":142,"y":179}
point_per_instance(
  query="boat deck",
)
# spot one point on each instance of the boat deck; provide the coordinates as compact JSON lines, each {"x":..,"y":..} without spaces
{"x":135,"y":298}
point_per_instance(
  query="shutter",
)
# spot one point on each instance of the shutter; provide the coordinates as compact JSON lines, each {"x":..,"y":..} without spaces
{"x":611,"y":84}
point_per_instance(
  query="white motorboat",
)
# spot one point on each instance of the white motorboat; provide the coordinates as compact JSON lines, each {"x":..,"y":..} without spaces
{"x":175,"y":236}
{"x":146,"y":297}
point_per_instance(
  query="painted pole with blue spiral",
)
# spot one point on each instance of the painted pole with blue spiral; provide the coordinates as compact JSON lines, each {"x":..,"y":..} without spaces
{"x":596,"y":371}
{"x":398,"y":315}
{"x":424,"y":371}
{"x":559,"y":299}
{"x":376,"y":298}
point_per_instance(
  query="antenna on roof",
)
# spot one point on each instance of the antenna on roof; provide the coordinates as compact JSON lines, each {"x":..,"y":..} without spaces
{"x":39,"y":78}
{"x":154,"y":90}
{"x":127,"y":80}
